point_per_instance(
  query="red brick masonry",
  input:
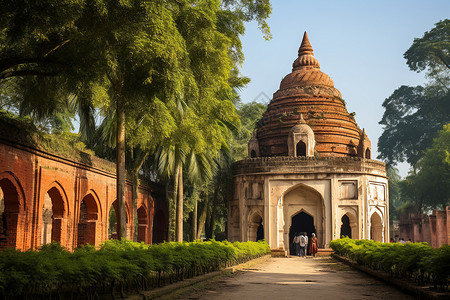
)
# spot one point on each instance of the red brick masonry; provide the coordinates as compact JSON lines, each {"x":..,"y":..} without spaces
{"x":81,"y":195}
{"x":433,"y":229}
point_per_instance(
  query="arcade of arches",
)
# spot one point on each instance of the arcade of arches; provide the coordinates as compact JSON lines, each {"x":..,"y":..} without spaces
{"x":46,"y":198}
{"x":309,"y":167}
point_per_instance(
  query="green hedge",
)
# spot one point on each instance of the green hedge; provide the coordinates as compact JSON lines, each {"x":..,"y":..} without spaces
{"x":417,"y":261}
{"x":118,"y":267}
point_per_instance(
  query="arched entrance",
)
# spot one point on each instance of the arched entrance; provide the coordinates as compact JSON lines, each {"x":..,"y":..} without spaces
{"x":301,"y":222}
{"x":112,"y":223}
{"x":345,"y":227}
{"x":112,"y":220}
{"x":87,"y":224}
{"x":303,"y":211}
{"x":142,"y":225}
{"x":10,"y":211}
{"x":376,"y":228}
{"x":53,"y":217}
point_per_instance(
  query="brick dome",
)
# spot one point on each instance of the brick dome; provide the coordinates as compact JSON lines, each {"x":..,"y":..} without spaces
{"x":310,"y":92}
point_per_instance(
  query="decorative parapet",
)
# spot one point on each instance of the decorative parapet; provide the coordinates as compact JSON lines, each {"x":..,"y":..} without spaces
{"x":289,"y":164}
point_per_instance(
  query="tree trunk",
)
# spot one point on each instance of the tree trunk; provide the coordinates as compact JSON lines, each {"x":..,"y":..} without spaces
{"x":194,"y":221}
{"x":202,"y":218}
{"x":170,"y":223}
{"x":179,"y":212}
{"x":208,"y":221}
{"x":211,"y":221}
{"x":173,"y":208}
{"x":120,"y":173}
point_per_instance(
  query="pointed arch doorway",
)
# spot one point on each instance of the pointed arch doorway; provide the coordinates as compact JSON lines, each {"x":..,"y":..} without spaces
{"x":301,"y":222}
{"x":303,"y":211}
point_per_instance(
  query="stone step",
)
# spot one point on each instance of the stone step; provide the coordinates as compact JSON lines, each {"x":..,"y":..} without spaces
{"x":278,"y":253}
{"x":284,"y":253}
{"x":324,"y":251}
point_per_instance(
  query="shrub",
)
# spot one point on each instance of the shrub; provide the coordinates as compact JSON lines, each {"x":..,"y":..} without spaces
{"x":417,"y":261}
{"x":54,"y":271}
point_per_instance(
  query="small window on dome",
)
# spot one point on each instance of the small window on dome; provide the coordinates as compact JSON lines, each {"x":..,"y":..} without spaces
{"x":368,"y":153}
{"x":253,"y":154}
{"x":301,"y":149}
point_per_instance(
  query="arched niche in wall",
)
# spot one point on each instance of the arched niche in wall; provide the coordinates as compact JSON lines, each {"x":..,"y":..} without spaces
{"x":12,"y":211}
{"x":87,"y":221}
{"x":54,"y":216}
{"x":255,"y":225}
{"x":253,"y":146}
{"x":142,"y":233}
{"x":376,"y":227}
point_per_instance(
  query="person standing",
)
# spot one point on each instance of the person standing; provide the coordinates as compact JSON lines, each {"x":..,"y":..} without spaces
{"x":313,"y":246}
{"x":303,"y":241}
{"x":297,"y":245}
{"x":306,"y":246}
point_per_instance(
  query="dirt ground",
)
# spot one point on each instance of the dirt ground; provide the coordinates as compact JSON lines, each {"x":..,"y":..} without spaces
{"x":296,"y":278}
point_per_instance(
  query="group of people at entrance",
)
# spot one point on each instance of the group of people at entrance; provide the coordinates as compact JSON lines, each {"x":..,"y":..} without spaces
{"x":301,"y":244}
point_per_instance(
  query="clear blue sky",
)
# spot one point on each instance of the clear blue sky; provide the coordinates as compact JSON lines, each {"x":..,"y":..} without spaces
{"x":360,"y":44}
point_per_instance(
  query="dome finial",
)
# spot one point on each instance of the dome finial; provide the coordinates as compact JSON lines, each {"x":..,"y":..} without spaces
{"x":301,"y":120}
{"x":305,"y":47}
{"x":305,"y":55}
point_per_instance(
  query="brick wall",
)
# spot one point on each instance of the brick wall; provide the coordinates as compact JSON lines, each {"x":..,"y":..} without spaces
{"x":81,"y":196}
{"x":433,"y":229}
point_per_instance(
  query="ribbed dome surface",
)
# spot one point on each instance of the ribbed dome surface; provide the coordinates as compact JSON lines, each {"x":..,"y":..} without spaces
{"x":308,"y":91}
{"x":306,"y":76}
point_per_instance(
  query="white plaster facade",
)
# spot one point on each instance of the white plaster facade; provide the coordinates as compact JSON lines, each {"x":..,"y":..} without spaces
{"x":276,"y":189}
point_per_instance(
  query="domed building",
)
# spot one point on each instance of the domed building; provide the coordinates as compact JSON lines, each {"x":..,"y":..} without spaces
{"x":309,"y":168}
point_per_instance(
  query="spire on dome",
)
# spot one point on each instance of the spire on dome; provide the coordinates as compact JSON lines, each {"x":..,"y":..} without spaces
{"x":305,"y":47}
{"x":305,"y":55}
{"x":364,"y":134}
{"x":301,"y":120}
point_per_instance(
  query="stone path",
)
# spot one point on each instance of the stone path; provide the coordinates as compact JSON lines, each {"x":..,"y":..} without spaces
{"x":297,"y":278}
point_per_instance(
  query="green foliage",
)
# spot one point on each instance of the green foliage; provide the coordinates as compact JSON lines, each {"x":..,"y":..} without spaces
{"x":412,"y":118}
{"x":429,"y":187}
{"x":431,"y":52}
{"x":169,"y":67}
{"x":249,"y":114}
{"x":411,"y":260}
{"x":23,"y":130}
{"x":413,"y":115}
{"x":53,"y":270}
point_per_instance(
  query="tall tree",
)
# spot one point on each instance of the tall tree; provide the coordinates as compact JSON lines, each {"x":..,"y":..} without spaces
{"x":131,"y":59}
{"x":413,"y":115}
{"x":116,"y":56}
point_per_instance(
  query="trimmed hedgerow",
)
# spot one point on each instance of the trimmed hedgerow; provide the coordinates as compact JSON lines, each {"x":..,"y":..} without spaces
{"x":118,"y":267}
{"x":415,"y":261}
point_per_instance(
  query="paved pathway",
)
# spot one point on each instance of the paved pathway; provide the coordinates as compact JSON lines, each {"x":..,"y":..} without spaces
{"x":298,"y":278}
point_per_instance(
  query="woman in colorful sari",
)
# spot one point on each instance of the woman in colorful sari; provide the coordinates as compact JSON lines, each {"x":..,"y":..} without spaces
{"x":313,"y":245}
